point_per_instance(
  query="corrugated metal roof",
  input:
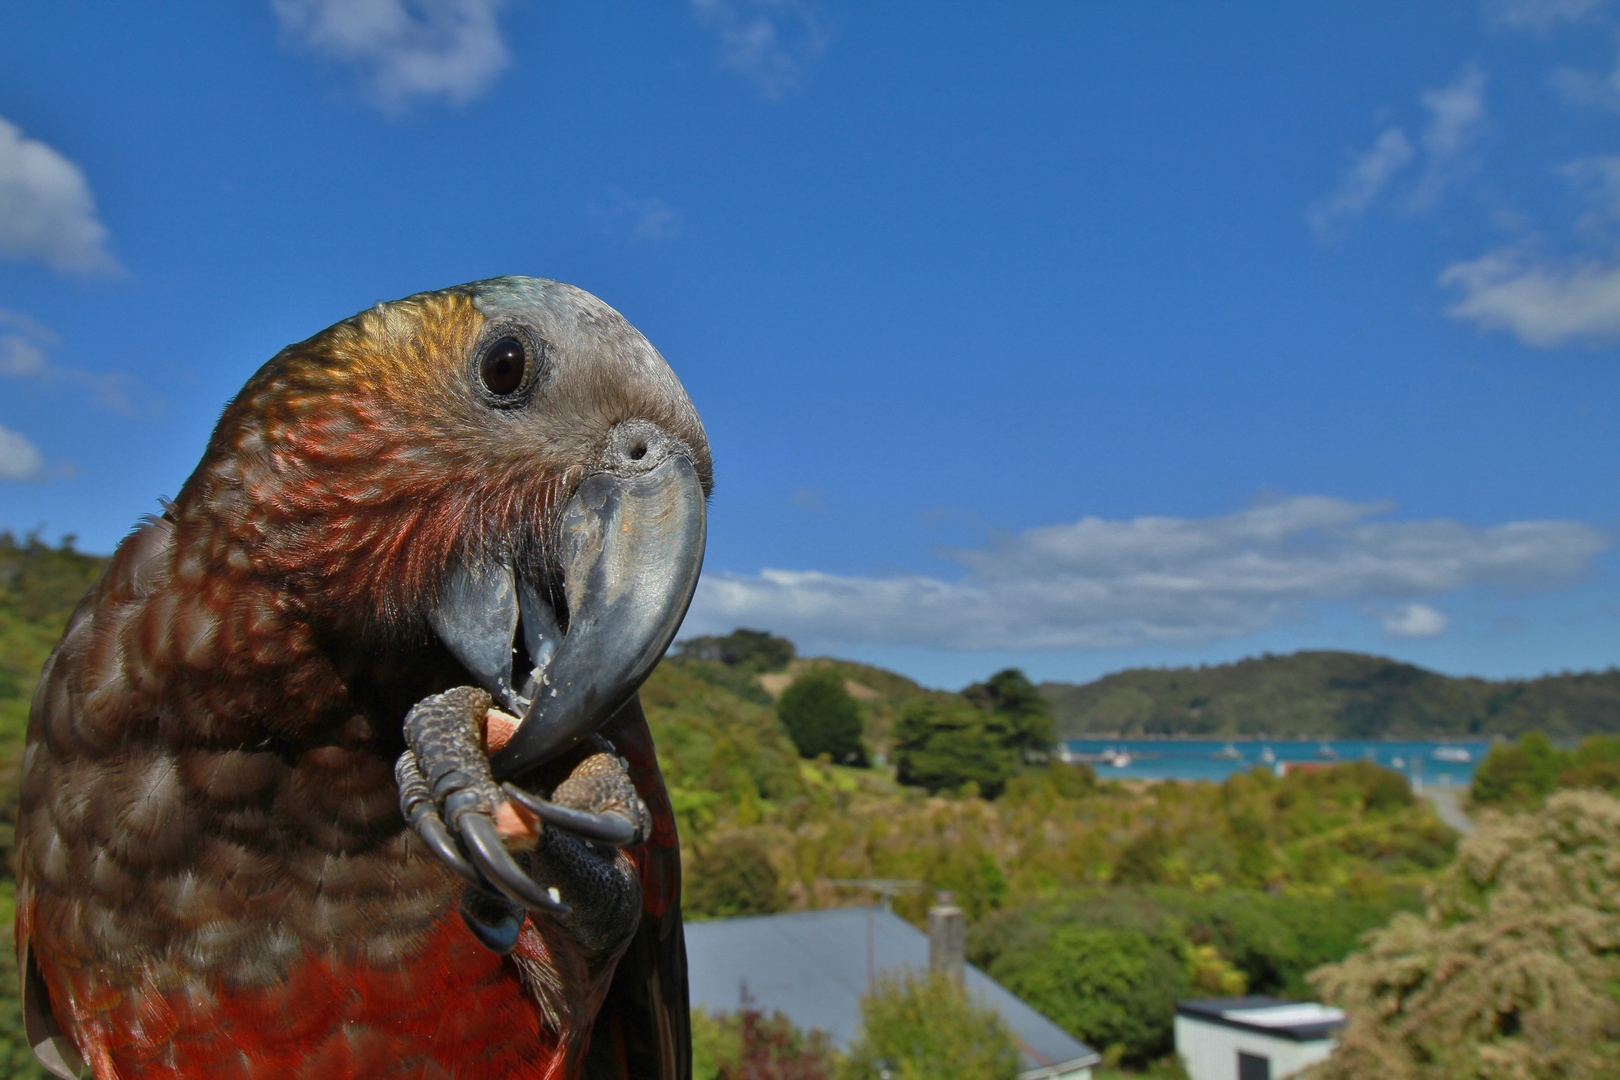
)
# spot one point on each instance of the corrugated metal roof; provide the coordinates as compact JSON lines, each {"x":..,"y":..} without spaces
{"x":812,"y":967}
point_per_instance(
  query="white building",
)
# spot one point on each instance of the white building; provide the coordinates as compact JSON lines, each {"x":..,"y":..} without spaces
{"x":1254,"y":1037}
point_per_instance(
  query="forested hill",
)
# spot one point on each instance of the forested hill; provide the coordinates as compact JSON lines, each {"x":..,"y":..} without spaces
{"x":1323,"y":694}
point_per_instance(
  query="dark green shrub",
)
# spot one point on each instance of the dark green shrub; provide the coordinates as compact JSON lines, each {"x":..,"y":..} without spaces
{"x":1519,"y":774}
{"x":926,"y":1027}
{"x":821,"y":718}
{"x":1143,"y":858}
{"x":749,"y":1045}
{"x":730,"y":876}
{"x":1109,"y":988}
{"x":1595,"y":764}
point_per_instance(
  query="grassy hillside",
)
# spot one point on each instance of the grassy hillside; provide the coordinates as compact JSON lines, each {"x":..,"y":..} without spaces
{"x":1321,"y":694}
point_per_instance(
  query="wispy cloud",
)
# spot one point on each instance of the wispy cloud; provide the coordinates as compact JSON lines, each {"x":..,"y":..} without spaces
{"x":46,"y":209}
{"x":1599,"y":179}
{"x":1414,"y":620}
{"x":1539,"y":15}
{"x":1584,"y":88}
{"x":1099,"y":584}
{"x":769,"y":42}
{"x":25,"y":354}
{"x":1456,"y":114}
{"x":1368,"y":176}
{"x":19,"y":458}
{"x":635,"y":218}
{"x":404,"y":49}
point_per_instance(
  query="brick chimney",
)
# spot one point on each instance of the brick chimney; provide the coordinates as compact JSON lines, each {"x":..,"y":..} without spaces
{"x":947,"y":936}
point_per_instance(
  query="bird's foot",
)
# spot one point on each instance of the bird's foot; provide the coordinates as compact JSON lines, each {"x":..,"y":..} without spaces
{"x":449,"y":796}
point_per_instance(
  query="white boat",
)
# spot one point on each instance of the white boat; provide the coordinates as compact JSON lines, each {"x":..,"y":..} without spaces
{"x":1326,"y":751}
{"x":1457,"y":754}
{"x":1267,"y":756}
{"x":1227,"y":753}
{"x":1120,"y":760}
{"x":1398,"y":762}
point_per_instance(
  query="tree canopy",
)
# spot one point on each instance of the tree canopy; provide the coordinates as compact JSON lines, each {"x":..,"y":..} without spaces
{"x":942,"y":745}
{"x":1511,"y":971}
{"x":753,"y":651}
{"x":822,"y":718}
{"x":1031,"y":729}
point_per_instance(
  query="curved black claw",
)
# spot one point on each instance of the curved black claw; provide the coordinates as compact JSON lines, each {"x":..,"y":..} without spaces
{"x":609,"y":827}
{"x":500,"y":869}
{"x":416,"y":803}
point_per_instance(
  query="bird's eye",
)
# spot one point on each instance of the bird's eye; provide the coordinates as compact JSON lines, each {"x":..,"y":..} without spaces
{"x":503,"y":367}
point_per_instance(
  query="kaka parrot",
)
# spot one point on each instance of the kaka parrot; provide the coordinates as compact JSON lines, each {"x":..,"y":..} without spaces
{"x":339,"y":770}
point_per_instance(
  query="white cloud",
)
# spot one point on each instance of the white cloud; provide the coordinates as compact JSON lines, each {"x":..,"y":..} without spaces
{"x":1547,"y":301}
{"x":46,"y":209}
{"x":1539,"y":15}
{"x":1456,"y":113}
{"x":1106,"y":584}
{"x":19,"y":458}
{"x":1541,"y":302}
{"x":405,"y":49}
{"x":768,"y":42}
{"x":1414,"y":620}
{"x":24,"y":354}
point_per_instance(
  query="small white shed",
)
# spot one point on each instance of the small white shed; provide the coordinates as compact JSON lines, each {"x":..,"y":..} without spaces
{"x":1254,"y":1037}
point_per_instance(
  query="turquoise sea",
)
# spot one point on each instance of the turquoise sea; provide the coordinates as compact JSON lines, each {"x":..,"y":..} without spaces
{"x":1449,"y":762}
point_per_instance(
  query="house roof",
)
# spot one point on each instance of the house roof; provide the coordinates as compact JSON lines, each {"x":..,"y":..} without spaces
{"x":1296,"y":1021}
{"x":812,"y":966}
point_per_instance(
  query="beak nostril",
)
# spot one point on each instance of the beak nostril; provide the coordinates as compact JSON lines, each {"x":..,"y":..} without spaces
{"x":638,"y":451}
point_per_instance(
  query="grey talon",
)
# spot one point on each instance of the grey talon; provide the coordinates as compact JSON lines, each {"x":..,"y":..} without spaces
{"x":417,"y":807}
{"x":499,"y":868}
{"x":609,"y":827}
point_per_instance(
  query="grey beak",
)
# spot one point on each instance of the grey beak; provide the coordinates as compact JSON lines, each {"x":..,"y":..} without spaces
{"x":631,"y":550}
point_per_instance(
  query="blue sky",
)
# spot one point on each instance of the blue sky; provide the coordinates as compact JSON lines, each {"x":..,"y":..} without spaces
{"x":1072,"y":336}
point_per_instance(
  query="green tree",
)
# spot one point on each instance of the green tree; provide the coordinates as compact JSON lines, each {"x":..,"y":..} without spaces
{"x":1512,"y":970}
{"x":1031,"y":729}
{"x":821,"y":718}
{"x":1110,"y":988}
{"x":1519,"y":774}
{"x":942,"y":745}
{"x":730,"y":876}
{"x":926,"y":1027}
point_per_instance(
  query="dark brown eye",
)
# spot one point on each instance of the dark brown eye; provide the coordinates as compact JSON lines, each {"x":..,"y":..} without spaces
{"x":503,"y":366}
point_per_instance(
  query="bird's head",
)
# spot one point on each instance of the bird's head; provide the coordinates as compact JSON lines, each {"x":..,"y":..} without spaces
{"x":508,"y":466}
